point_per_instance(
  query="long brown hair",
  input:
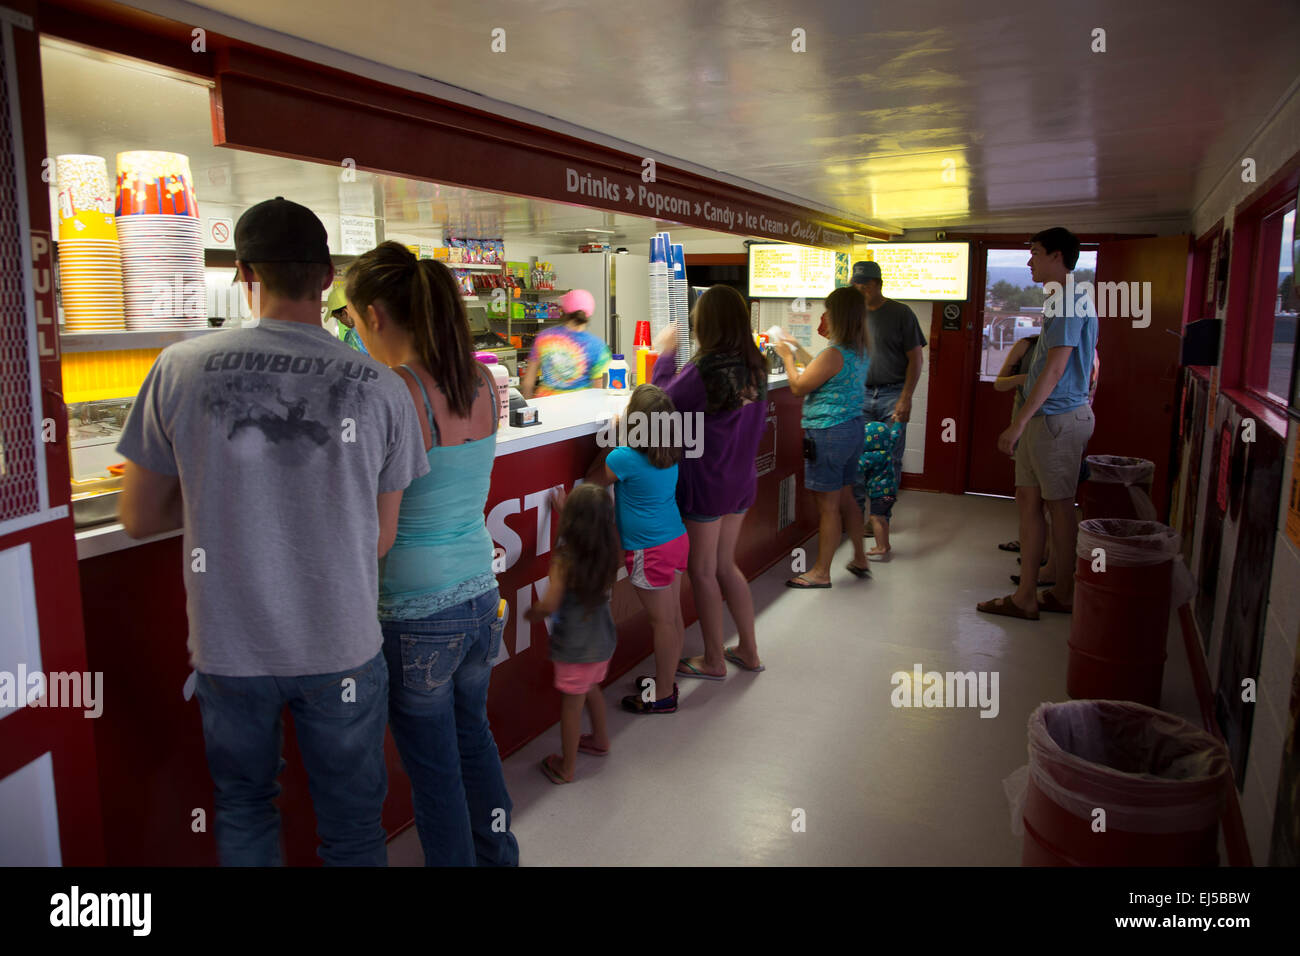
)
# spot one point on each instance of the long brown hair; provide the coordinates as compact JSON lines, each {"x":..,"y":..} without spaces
{"x":423,"y":298}
{"x":658,"y":414}
{"x":847,"y":320}
{"x":722,"y":325}
{"x":589,"y":548}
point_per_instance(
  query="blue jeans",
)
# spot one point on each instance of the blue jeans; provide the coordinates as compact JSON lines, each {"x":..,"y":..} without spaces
{"x":878,"y":406}
{"x":340,"y":730}
{"x":439,"y":668}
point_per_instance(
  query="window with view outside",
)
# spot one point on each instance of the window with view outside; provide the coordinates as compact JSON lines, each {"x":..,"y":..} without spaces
{"x":1013,"y":303}
{"x":1285,"y":308}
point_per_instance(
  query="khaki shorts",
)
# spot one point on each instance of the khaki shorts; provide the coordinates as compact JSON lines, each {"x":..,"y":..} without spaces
{"x":1050,"y":450}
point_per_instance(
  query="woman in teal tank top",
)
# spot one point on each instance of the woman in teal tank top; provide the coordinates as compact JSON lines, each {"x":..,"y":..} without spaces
{"x":438,"y":602}
{"x":835,"y":385}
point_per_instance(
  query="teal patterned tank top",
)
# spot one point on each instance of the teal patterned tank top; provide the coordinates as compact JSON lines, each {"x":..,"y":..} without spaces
{"x":840,"y":399}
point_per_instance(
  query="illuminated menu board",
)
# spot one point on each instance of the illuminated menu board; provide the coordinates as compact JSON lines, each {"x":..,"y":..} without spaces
{"x":779,"y":270}
{"x":925,"y":271}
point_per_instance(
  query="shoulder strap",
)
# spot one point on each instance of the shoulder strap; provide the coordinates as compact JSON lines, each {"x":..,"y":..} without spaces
{"x":428,"y":408}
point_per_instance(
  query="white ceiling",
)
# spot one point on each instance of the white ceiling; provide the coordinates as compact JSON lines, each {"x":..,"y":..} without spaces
{"x":912,"y":113}
{"x":100,"y":105}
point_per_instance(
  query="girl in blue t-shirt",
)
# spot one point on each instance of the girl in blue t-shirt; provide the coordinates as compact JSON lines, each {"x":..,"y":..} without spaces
{"x":655,"y":546}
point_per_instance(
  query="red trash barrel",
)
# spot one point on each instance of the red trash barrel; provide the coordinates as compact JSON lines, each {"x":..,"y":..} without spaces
{"x":1118,"y":488}
{"x":1161,"y":782}
{"x":1121,"y":614}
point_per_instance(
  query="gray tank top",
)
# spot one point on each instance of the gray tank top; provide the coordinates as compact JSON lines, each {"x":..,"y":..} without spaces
{"x":582,"y":635}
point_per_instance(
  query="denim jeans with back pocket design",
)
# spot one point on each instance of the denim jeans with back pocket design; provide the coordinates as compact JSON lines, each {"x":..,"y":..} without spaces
{"x":439,"y":670}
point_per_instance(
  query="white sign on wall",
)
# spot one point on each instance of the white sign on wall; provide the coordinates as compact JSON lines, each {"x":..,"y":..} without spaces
{"x":800,"y":327}
{"x":357,"y":234}
{"x":219,"y":233}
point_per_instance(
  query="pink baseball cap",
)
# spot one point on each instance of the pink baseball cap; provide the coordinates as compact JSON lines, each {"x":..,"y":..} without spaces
{"x":578,"y":300}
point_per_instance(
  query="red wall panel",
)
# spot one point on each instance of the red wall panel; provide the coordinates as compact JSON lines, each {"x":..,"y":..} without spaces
{"x":152,"y":768}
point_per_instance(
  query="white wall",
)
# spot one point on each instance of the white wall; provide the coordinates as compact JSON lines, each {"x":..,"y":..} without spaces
{"x":521,"y":250}
{"x":1219,"y":193}
{"x":914,"y":452}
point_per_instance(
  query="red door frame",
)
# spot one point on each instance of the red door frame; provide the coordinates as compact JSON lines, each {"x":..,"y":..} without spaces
{"x":65,"y":733}
{"x":954,"y":365}
{"x":1244,"y":280}
{"x":1195,"y":305}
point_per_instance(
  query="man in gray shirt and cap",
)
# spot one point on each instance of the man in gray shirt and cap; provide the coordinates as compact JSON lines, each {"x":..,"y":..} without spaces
{"x":283,"y":455}
{"x":896,"y":357}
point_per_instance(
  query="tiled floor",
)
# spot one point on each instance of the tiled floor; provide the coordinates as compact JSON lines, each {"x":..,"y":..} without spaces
{"x":720,"y":781}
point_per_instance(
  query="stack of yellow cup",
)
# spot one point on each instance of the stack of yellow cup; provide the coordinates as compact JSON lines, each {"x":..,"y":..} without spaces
{"x":89,"y":255}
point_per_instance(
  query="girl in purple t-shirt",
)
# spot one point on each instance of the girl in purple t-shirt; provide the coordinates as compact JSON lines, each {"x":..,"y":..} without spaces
{"x":727,"y":382}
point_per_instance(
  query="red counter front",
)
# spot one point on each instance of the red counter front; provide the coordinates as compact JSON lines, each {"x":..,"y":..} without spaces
{"x":152,"y":769}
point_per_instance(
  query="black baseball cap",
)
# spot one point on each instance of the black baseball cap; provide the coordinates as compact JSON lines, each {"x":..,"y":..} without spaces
{"x":278,"y":230}
{"x":862,"y":271}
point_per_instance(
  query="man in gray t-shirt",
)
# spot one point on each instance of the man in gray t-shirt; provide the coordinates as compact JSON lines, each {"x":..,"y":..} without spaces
{"x":282,"y":439}
{"x":896,"y":359}
{"x":277,"y":448}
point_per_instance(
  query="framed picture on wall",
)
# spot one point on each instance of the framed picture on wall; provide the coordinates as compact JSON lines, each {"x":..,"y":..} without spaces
{"x":1293,"y":402}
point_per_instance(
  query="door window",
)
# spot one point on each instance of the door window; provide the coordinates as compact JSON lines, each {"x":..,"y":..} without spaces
{"x":1013,"y":303}
{"x":1276,"y":328}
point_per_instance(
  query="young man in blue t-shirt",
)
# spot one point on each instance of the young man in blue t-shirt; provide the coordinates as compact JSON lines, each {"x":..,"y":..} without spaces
{"x":1048,"y":434}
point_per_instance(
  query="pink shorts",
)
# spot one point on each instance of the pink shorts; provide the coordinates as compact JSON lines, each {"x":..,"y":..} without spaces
{"x":652,"y":569}
{"x":579,"y":678}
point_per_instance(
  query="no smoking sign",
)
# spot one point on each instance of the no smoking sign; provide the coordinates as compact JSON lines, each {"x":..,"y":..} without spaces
{"x":219,"y":233}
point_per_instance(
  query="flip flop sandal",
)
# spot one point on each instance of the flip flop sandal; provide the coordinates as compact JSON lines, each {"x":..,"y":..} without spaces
{"x":585,"y":746}
{"x":551,"y":771}
{"x":1006,"y":608}
{"x":731,"y":655}
{"x":1013,"y":546}
{"x":693,"y":671}
{"x":803,"y":585}
{"x":857,"y":571}
{"x":1015,"y":579}
{"x":1047,"y":601}
{"x":1041,"y":564}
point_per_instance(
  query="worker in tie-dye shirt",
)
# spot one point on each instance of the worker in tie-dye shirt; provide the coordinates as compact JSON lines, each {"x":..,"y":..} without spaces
{"x":567,"y":358}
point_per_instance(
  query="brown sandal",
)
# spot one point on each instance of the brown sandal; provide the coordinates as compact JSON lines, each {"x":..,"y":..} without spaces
{"x":1006,"y":608}
{"x":1047,"y":601}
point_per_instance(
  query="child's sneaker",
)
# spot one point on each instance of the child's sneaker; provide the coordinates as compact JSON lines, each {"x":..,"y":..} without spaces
{"x":634,"y":704}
